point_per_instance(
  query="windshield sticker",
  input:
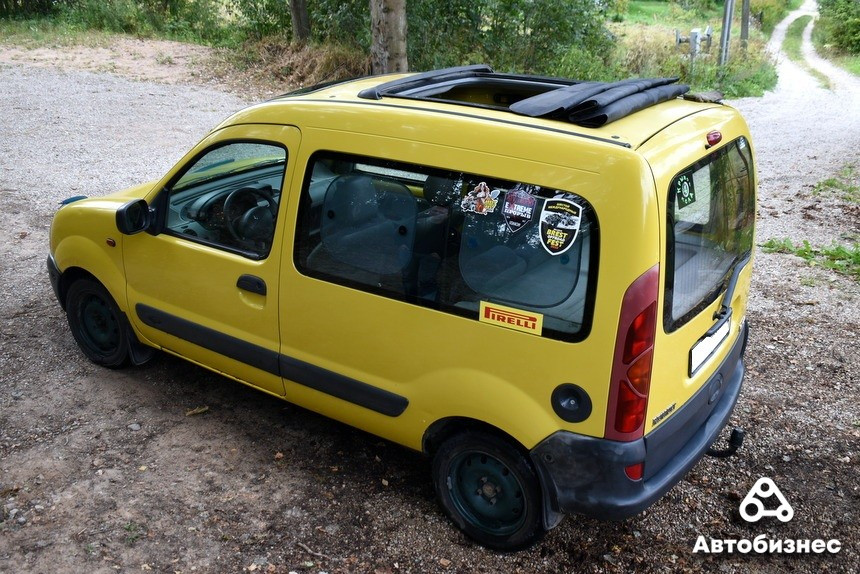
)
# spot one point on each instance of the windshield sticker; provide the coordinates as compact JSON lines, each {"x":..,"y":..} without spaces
{"x":684,"y":191}
{"x":511,"y":318}
{"x":518,"y":209}
{"x":481,"y":200}
{"x":559,"y":225}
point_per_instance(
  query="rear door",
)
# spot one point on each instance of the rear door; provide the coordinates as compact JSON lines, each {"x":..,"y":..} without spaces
{"x":709,"y":214}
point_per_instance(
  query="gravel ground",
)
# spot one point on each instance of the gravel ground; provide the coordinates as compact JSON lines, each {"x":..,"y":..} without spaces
{"x":101,"y":471}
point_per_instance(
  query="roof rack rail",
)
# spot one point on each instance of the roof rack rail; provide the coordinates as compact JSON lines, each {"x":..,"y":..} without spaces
{"x":424,"y":79}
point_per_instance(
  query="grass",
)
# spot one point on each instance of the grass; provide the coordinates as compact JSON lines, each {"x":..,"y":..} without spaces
{"x":133,"y":532}
{"x":844,"y":259}
{"x":792,"y":44}
{"x":44,"y":32}
{"x":850,"y":62}
{"x":659,"y":11}
{"x":846,"y":185}
{"x":794,"y":38}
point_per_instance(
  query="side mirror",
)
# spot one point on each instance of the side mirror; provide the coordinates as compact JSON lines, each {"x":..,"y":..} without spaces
{"x":133,"y":217}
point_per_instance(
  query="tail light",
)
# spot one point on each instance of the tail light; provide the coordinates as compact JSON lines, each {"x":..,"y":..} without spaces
{"x":631,"y":365}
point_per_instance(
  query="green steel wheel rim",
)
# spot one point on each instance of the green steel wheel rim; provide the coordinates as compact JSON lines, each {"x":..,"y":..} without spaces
{"x":487,"y":493}
{"x":99,"y":327}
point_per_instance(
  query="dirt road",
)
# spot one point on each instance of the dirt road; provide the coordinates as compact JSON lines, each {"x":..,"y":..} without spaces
{"x":102,"y":471}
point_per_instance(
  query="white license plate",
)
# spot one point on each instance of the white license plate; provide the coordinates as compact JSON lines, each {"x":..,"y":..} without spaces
{"x":706,"y":347}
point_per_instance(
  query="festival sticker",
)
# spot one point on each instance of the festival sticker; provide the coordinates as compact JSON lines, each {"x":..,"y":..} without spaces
{"x":518,"y":209}
{"x":481,"y":200}
{"x":559,"y":225}
{"x":684,"y":191}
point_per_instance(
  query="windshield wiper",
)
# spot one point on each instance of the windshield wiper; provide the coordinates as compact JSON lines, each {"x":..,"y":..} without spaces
{"x":725,"y":311}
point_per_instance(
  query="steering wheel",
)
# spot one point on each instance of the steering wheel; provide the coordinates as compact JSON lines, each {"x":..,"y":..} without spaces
{"x":254,"y":222}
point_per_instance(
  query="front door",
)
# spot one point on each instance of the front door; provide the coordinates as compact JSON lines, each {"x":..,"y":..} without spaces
{"x":204,"y":286}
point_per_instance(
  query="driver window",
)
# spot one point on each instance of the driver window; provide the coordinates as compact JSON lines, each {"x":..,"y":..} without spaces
{"x":229,"y":198}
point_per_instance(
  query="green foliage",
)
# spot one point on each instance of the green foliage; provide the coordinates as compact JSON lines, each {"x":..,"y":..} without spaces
{"x":511,"y":35}
{"x":643,"y":53}
{"x":840,"y":24}
{"x":27,"y":8}
{"x":844,"y":259}
{"x":343,"y":21}
{"x":552,"y":37}
{"x":261,"y":18}
{"x":699,"y":8}
{"x":769,"y":13}
{"x":181,"y":19}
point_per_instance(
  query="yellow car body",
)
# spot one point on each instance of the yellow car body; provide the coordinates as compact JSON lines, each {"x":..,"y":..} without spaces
{"x":417,"y":371}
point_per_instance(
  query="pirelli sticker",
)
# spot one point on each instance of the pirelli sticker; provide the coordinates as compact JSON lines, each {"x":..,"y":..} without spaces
{"x":511,"y":318}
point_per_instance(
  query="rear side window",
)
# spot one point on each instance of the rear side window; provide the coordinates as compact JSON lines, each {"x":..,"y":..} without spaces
{"x":472,"y":245}
{"x":711,"y":215}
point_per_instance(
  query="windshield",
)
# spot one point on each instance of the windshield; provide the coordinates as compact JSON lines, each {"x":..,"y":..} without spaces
{"x":711,"y":214}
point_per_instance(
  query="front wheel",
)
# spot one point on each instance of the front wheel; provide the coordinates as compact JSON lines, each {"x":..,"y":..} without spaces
{"x":490,"y":489}
{"x":97,"y":324}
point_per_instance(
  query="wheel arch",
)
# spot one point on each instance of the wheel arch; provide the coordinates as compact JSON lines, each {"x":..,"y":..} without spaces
{"x":78,"y":257}
{"x":445,"y":428}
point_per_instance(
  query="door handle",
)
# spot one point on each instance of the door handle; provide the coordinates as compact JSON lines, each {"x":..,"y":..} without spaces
{"x":252,"y":283}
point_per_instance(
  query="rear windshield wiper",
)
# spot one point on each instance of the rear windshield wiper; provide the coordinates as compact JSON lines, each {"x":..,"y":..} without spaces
{"x":725,"y":311}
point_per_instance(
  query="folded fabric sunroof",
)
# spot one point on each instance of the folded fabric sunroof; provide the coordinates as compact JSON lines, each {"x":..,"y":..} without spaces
{"x":589,"y":104}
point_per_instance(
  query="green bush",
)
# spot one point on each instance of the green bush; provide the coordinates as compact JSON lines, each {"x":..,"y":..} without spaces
{"x":769,"y":12}
{"x":195,"y":20}
{"x":261,"y":18}
{"x":27,"y":8}
{"x":111,"y":15}
{"x":648,"y":55}
{"x":840,"y":24}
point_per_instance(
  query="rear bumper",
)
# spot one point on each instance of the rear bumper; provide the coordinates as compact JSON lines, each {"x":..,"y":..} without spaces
{"x":586,"y":475}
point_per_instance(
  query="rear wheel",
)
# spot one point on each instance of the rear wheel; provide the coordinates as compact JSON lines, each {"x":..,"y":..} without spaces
{"x":97,"y":323}
{"x":490,"y":490}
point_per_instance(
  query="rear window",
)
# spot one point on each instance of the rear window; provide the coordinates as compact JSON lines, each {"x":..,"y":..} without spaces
{"x":711,"y":214}
{"x":473,"y":245}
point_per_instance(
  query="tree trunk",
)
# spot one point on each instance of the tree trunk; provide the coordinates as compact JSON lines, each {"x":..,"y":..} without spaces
{"x":388,"y":36}
{"x":301,"y":22}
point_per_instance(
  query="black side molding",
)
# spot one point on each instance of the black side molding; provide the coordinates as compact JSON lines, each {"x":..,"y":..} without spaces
{"x":342,"y":387}
{"x":306,"y":374}
{"x":235,"y":348}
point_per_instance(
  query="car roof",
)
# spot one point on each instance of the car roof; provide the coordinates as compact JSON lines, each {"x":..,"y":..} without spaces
{"x":626,"y":113}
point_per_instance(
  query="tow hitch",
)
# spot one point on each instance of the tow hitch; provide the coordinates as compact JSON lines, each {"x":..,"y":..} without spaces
{"x":736,"y":440}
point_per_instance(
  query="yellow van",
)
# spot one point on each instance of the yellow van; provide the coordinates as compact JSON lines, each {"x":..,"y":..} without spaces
{"x":538,"y":282}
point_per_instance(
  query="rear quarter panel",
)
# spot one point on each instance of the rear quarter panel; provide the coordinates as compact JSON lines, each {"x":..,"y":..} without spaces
{"x":452,"y":366}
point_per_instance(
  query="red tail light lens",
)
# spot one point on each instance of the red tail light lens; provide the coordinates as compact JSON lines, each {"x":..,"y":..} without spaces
{"x":630,"y":410}
{"x":634,"y":351}
{"x":640,"y":336}
{"x":635,"y":471}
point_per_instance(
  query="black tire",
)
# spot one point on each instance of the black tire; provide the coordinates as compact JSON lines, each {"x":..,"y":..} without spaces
{"x":490,"y":489}
{"x":97,"y":324}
